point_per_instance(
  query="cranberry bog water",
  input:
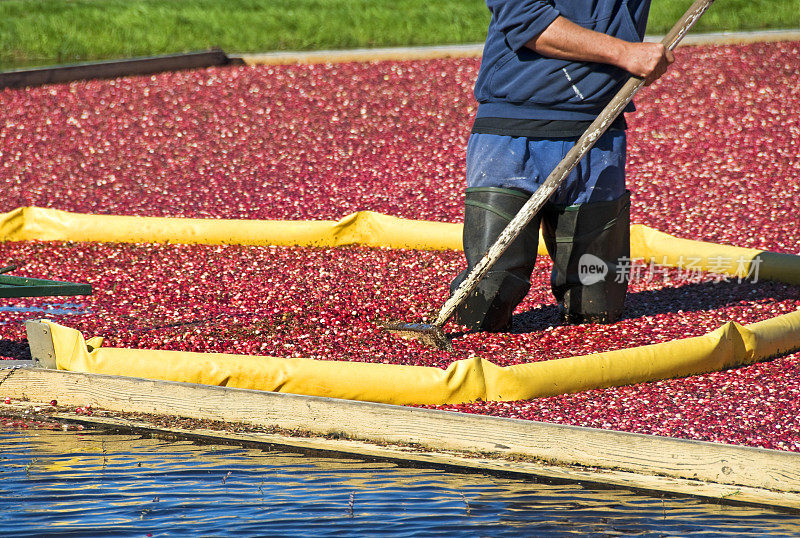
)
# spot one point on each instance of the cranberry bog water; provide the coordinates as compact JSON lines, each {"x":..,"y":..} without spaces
{"x":712,"y":156}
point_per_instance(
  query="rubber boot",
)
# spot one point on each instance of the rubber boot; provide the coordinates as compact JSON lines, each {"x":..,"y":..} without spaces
{"x":488,"y":210}
{"x":590,"y":248}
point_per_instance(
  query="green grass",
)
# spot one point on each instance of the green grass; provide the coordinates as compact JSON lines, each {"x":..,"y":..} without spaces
{"x":64,"y":31}
{"x":728,"y":15}
{"x":33,"y":31}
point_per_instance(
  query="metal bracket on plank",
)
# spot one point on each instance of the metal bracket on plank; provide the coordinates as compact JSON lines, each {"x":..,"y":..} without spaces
{"x":40,"y":341}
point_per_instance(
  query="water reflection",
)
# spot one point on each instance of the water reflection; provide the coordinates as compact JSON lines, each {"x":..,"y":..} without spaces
{"x":60,"y":309}
{"x":58,"y":483}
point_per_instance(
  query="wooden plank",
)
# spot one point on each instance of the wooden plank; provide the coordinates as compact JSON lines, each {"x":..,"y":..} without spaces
{"x":658,"y":485}
{"x":439,"y":430}
{"x":115,"y":68}
{"x":13,"y":363}
{"x":736,"y":38}
{"x":364,"y":55}
{"x":474,"y":50}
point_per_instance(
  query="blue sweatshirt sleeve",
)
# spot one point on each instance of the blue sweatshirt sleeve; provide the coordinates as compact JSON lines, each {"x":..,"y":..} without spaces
{"x":522,"y":20}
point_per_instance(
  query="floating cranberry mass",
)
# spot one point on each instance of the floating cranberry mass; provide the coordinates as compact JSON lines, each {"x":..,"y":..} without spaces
{"x":712,"y":156}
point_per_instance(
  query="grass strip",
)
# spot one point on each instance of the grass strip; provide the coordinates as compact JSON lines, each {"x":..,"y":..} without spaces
{"x":40,"y":32}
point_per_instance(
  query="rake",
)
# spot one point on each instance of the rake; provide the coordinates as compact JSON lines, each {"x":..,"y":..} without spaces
{"x":432,"y":333}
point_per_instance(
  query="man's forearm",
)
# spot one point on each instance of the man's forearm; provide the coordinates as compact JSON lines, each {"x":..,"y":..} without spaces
{"x":565,"y":40}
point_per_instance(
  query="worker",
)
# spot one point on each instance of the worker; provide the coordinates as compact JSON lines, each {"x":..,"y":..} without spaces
{"x":549,"y":68}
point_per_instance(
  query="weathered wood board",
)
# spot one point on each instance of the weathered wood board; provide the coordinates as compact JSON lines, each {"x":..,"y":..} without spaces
{"x":482,"y":436}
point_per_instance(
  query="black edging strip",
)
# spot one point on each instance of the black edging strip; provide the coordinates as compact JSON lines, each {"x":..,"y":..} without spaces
{"x":116,"y":68}
{"x":17,"y":286}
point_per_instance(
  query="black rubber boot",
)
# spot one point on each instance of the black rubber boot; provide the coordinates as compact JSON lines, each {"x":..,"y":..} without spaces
{"x":590,"y":248}
{"x":488,"y":210}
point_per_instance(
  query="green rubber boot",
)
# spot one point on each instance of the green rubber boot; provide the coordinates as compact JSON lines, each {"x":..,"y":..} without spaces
{"x":488,"y":210}
{"x":590,"y":248}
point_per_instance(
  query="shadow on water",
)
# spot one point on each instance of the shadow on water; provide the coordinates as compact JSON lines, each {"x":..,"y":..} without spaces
{"x":20,"y":350}
{"x":692,"y":297}
{"x":702,"y":296}
{"x":13,"y":349}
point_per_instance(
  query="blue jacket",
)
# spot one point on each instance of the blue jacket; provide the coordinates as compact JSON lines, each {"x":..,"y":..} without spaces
{"x":515,"y":82}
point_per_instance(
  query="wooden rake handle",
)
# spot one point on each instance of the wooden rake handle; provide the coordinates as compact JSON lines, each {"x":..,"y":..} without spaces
{"x":567,"y":164}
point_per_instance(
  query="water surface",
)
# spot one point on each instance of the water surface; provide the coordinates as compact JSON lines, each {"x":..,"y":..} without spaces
{"x":96,"y":484}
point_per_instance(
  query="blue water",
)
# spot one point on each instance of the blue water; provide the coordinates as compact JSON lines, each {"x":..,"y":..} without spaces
{"x":95,"y":484}
{"x":60,"y":309}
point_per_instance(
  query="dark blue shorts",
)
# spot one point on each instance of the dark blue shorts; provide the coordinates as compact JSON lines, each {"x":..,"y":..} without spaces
{"x":524,"y":163}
